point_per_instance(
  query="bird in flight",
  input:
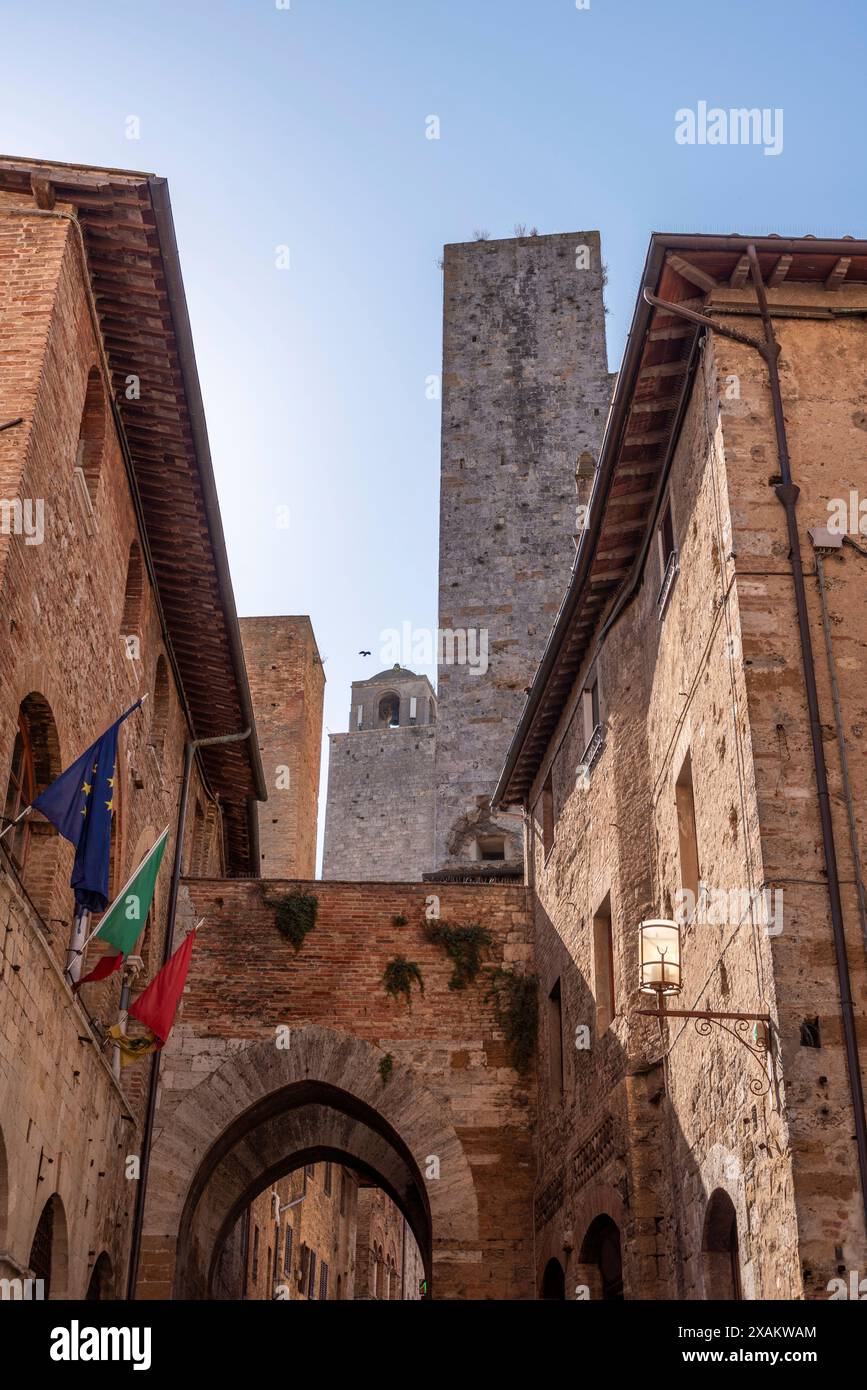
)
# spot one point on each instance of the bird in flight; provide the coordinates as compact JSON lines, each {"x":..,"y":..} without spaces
{"x":364,"y":653}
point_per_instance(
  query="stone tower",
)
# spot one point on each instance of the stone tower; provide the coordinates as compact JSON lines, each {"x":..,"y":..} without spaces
{"x":379,"y":821}
{"x":287,"y":684}
{"x":525,"y":394}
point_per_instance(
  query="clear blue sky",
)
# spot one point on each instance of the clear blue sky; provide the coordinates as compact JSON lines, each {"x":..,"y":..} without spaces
{"x":305,"y":127}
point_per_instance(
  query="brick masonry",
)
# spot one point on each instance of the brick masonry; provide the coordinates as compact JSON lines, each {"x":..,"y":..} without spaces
{"x":287,"y":683}
{"x":452,"y":1093}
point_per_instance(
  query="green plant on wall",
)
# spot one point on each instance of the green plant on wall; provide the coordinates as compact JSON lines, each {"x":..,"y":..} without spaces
{"x":295,"y":915}
{"x":516,"y":1002}
{"x":464,"y":946}
{"x":398,"y":977}
{"x":386,"y":1067}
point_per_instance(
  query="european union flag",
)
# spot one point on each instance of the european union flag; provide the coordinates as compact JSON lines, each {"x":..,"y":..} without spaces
{"x":80,"y":803}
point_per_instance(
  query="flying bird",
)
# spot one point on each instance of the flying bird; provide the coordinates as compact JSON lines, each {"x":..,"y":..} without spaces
{"x":364,"y":653}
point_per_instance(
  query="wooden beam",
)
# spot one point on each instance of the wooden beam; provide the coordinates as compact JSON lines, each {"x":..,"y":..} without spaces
{"x":838,"y":274}
{"x":779,"y":272}
{"x":691,"y":272}
{"x":740,"y":274}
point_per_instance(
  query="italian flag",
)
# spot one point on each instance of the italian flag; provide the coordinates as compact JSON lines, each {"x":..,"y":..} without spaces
{"x":122,"y":923}
{"x":157,"y":1005}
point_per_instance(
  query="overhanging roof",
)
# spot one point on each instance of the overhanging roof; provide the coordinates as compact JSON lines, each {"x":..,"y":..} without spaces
{"x":642,"y":429}
{"x":132,"y":255}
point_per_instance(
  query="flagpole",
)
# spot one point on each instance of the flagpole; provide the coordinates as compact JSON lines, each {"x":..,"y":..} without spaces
{"x":75,"y":953}
{"x":29,"y":807}
{"x":136,"y":871}
{"x":12,"y":824}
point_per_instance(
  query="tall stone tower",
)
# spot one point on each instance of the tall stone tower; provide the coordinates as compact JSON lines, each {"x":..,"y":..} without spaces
{"x":287,"y":684}
{"x":379,"y":821}
{"x":525,"y":394}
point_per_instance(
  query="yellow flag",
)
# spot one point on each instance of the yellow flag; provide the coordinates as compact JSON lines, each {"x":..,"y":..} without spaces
{"x":133,"y":1048}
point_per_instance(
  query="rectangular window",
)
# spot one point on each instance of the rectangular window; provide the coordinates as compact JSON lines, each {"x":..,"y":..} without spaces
{"x":311,"y":1276}
{"x":287,"y":1252}
{"x":603,"y":967}
{"x":666,"y":536}
{"x":546,"y":815}
{"x":668,"y":562}
{"x":255,"y":1272}
{"x":328,"y":1168}
{"x":590,"y":699}
{"x":413,"y":707}
{"x":323,"y":1280}
{"x":690,"y":871}
{"x":555,"y":1045}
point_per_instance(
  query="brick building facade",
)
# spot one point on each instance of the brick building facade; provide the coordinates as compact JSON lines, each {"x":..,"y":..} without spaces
{"x":666,"y":748}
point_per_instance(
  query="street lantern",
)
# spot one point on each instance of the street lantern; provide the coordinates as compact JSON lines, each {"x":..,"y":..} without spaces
{"x":659,"y":957}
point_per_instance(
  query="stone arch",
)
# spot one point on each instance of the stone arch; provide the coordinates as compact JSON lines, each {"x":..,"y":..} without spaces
{"x":553,"y":1281}
{"x":49,"y":1249}
{"x":100,"y":1286}
{"x":133,"y":595}
{"x":91,"y":434}
{"x":721,"y":1261}
{"x":35,"y":763}
{"x":266,"y":1111}
{"x":388,"y":710}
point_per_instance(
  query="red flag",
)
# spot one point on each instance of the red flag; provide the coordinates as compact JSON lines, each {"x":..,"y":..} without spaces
{"x":157,"y":1005}
{"x":105,"y":966}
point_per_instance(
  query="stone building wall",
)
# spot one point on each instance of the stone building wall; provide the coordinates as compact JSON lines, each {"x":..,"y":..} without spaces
{"x":525,"y":392}
{"x":287,"y":683}
{"x":712,"y":692}
{"x":822,"y":373}
{"x":379,"y":820}
{"x":388,"y":1262}
{"x":317,"y":1233}
{"x":68,"y":604}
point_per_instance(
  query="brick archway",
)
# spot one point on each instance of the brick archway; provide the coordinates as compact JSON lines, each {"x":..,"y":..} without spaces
{"x":266,"y":1109}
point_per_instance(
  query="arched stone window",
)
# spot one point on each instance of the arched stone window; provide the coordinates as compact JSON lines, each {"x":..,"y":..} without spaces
{"x":602,"y":1260}
{"x":160,"y":712}
{"x":91,"y":435}
{"x":130,"y":623}
{"x":388,"y":712}
{"x":101,"y":1284}
{"x":33,"y":844}
{"x":720,"y":1253}
{"x":554,"y":1281}
{"x":49,"y":1250}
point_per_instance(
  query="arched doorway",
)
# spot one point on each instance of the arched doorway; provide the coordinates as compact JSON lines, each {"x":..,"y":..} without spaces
{"x":49,"y":1249}
{"x":554,"y":1281}
{"x":720,"y":1252}
{"x":101,"y":1283}
{"x":601,"y":1252}
{"x":267,"y":1110}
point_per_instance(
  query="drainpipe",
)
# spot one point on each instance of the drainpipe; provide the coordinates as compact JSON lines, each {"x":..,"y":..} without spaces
{"x":823,"y":541}
{"x":787,"y":494}
{"x":190,"y":750}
